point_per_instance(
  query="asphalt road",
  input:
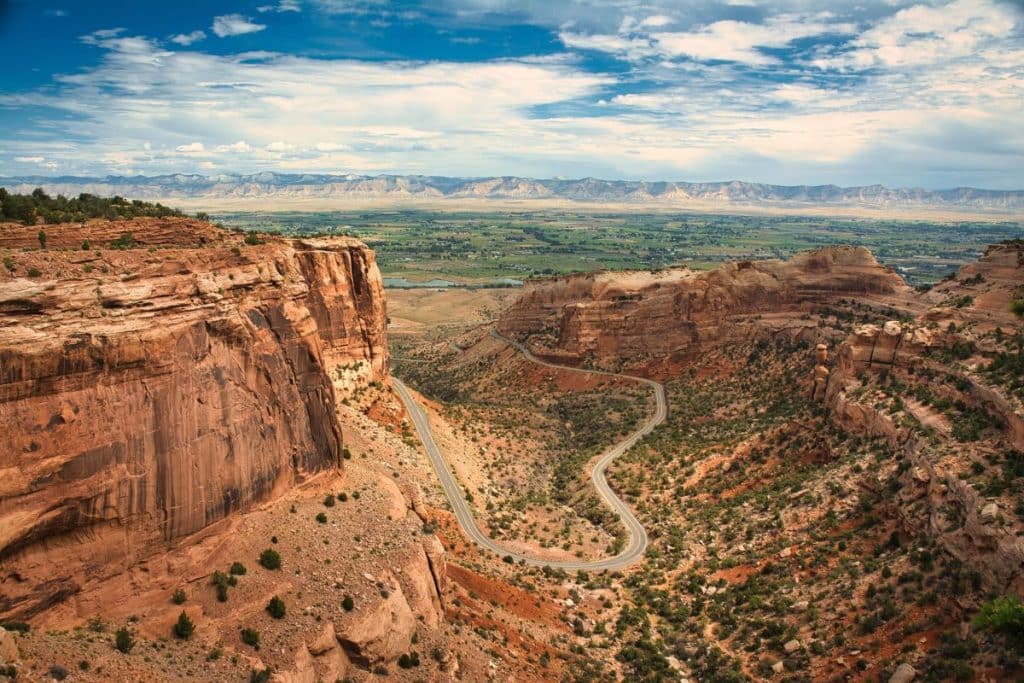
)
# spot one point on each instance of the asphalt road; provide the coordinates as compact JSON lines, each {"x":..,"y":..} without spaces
{"x":637,"y":544}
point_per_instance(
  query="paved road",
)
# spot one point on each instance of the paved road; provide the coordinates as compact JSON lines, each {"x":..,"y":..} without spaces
{"x":637,"y":544}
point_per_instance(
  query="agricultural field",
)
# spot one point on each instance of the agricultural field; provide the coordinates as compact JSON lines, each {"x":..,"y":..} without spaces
{"x":493,"y":247}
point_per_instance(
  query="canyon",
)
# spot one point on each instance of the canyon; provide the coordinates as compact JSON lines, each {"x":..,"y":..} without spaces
{"x":835,"y":490}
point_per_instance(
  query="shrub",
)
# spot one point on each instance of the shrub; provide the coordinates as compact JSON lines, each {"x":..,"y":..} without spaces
{"x":18,"y":626}
{"x":178,"y":597}
{"x":343,"y":497}
{"x":220,"y":580}
{"x":34,"y":272}
{"x":408,"y":661}
{"x":329,"y":500}
{"x":276,"y":607}
{"x":1004,"y":615}
{"x":252,"y":238}
{"x":58,"y":672}
{"x":508,"y":559}
{"x":270,"y":559}
{"x":125,"y":241}
{"x":42,"y":239}
{"x":9,"y":263}
{"x":237,"y":568}
{"x":85,"y":245}
{"x":251,"y":637}
{"x":322,"y":518}
{"x":262,"y":676}
{"x":184,"y":627}
{"x":348,"y":604}
{"x":123,"y":640}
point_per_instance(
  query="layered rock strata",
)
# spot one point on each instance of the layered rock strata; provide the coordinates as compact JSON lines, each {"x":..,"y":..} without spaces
{"x":146,"y":394}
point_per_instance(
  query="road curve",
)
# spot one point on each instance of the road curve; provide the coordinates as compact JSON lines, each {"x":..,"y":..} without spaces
{"x":637,"y":544}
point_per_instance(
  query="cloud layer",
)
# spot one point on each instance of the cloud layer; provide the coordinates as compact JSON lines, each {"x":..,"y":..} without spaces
{"x":924,"y":94}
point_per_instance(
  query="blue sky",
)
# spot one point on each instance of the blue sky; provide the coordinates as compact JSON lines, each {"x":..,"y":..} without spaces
{"x":898,"y":92}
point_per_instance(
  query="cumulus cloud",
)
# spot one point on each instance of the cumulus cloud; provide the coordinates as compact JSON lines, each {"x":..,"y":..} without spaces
{"x":234,"y":25}
{"x":191,"y":148}
{"x":237,"y":148}
{"x":188,"y":38}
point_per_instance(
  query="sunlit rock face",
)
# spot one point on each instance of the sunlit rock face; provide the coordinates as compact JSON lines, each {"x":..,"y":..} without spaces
{"x":154,"y":394}
{"x":643,"y":319}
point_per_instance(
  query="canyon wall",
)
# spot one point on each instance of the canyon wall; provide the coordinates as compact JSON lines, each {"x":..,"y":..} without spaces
{"x":147,"y":393}
{"x":650,"y":319}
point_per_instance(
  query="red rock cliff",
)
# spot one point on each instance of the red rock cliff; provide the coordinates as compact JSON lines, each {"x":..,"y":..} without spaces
{"x":643,"y":319}
{"x":146,"y":394}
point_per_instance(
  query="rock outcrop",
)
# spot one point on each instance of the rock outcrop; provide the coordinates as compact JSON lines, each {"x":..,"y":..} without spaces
{"x":642,"y":319}
{"x":146,"y":394}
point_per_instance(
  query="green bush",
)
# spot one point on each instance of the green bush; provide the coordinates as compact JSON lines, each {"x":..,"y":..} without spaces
{"x":34,"y":272}
{"x":270,"y":559}
{"x":125,"y":241}
{"x":322,"y":518}
{"x":276,"y":607}
{"x":184,"y":627}
{"x":348,"y":604}
{"x":1004,"y":615}
{"x":251,"y":637}
{"x":237,"y":568}
{"x":178,"y":597}
{"x":262,"y":676}
{"x":329,"y":500}
{"x":123,"y":640}
{"x":221,"y":581}
{"x":408,"y":661}
{"x":17,"y":626}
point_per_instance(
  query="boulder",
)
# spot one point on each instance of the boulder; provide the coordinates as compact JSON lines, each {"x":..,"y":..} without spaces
{"x":904,"y":674}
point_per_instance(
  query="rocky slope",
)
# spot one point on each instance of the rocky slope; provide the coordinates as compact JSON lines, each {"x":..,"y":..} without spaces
{"x":736,"y":193}
{"x":656,"y":320}
{"x":148,"y":393}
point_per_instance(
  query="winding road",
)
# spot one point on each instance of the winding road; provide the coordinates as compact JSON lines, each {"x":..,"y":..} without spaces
{"x":637,"y":544}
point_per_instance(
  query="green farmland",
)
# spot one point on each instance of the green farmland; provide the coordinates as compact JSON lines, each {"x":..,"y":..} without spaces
{"x":480,"y":247}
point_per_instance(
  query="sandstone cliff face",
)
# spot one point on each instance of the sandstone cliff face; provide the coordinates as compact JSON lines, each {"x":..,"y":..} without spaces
{"x":644,"y":319}
{"x":147,"y":394}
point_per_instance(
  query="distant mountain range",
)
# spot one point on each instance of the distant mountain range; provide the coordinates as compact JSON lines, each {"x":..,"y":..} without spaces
{"x":593,"y":190}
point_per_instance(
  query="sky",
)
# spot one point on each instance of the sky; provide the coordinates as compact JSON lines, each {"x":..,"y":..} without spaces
{"x":905,"y":93}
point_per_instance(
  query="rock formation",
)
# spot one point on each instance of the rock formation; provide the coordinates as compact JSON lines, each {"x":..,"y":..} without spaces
{"x":646,"y":319}
{"x":819,"y":383}
{"x":146,"y":394}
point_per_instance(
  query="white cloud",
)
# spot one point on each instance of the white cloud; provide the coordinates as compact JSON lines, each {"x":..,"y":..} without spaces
{"x":922,"y":34}
{"x":330,"y":147}
{"x":282,"y":6}
{"x":279,"y":146}
{"x":656,"y":21}
{"x":188,"y":38}
{"x":30,"y":160}
{"x":238,"y":148}
{"x":739,"y":41}
{"x":191,"y":148}
{"x":234,"y":25}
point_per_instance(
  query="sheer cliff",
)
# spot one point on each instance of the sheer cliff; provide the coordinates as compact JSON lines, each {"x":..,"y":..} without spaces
{"x":654,"y":319}
{"x":148,"y":392}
